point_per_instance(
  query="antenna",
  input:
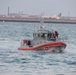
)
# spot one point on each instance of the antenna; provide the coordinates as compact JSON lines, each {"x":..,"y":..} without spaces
{"x":41,"y":21}
{"x":8,"y":10}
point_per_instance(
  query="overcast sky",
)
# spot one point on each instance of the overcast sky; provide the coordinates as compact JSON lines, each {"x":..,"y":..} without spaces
{"x":36,"y":7}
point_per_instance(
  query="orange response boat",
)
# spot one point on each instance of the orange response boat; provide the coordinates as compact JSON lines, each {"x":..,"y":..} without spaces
{"x":43,"y":40}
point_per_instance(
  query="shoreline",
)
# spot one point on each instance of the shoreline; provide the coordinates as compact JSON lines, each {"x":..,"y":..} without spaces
{"x":37,"y":20}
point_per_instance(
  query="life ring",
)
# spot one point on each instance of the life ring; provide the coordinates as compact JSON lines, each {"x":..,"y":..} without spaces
{"x":46,"y":48}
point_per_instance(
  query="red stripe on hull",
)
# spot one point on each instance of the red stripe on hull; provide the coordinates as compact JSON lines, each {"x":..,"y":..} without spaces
{"x":43,"y":45}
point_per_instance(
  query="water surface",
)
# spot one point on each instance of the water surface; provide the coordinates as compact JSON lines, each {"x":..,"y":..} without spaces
{"x":15,"y":62}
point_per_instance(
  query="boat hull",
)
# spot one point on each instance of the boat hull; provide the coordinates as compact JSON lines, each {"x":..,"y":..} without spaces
{"x":50,"y":46}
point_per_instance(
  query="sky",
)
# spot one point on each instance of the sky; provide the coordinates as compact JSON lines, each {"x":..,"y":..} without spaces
{"x":36,"y":7}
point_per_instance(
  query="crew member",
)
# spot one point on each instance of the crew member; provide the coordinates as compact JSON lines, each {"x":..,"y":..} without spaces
{"x":56,"y":34}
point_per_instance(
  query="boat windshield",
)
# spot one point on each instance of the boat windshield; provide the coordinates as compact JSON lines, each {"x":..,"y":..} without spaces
{"x":47,"y":36}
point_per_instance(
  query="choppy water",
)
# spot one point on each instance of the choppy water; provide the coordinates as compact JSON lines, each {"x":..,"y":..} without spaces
{"x":15,"y":62}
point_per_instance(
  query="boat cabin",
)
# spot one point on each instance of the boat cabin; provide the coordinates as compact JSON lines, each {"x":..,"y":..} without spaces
{"x":44,"y":34}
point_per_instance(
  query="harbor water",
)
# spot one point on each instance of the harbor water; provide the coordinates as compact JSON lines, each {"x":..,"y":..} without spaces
{"x":15,"y":62}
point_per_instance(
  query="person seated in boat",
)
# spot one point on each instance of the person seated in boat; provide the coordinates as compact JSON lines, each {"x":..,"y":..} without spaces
{"x":56,"y":34}
{"x":49,"y":35}
{"x":43,"y":35}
